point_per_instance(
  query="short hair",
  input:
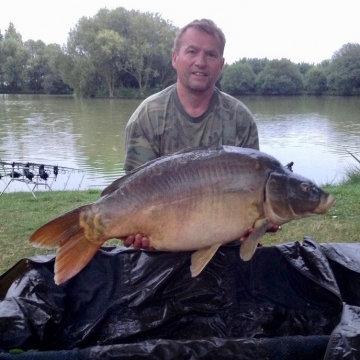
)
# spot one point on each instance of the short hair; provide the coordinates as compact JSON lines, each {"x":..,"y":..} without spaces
{"x":205,"y":25}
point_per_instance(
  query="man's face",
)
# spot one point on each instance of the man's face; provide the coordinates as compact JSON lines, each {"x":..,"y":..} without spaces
{"x":198,"y":62}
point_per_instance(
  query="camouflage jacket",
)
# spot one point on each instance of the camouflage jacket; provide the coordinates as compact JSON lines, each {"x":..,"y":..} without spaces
{"x":161,"y":126}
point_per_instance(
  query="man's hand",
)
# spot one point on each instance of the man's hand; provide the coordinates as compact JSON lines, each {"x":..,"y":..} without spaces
{"x":274,"y":228}
{"x":139,"y":241}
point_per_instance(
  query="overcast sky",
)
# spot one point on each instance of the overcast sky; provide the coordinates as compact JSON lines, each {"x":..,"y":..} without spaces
{"x":300,"y":30}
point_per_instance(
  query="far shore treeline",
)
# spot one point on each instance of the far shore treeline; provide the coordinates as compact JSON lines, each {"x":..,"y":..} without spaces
{"x":122,"y":53}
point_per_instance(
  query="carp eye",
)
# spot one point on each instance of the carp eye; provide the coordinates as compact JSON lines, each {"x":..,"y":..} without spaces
{"x":306,"y":187}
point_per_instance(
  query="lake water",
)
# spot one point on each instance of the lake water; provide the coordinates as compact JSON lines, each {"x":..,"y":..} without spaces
{"x":85,"y":137}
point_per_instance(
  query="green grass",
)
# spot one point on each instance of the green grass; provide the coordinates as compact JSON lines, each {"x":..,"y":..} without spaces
{"x":21,"y":214}
{"x":340,"y":224}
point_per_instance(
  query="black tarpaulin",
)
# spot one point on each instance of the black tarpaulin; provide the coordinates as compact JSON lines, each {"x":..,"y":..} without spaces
{"x":292,"y":301}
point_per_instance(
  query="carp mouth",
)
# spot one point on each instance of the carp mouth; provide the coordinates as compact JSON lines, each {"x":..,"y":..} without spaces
{"x":290,"y":196}
{"x":326,"y":203}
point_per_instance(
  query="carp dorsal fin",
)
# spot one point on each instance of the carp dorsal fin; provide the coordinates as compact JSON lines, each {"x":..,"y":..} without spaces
{"x":200,"y":258}
{"x":248,"y":247}
{"x":117,"y":183}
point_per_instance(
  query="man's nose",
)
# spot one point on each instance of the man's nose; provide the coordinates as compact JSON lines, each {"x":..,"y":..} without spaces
{"x":201,"y":60}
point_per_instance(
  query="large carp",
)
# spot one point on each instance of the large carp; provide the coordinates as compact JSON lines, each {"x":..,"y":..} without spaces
{"x":194,"y":200}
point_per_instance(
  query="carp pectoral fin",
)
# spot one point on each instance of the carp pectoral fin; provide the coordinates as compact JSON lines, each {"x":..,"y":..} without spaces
{"x":248,"y":247}
{"x":73,"y":256}
{"x":200,"y":258}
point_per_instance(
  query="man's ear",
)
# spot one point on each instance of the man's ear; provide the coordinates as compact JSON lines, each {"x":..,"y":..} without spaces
{"x":223,"y":63}
{"x":174,"y":56}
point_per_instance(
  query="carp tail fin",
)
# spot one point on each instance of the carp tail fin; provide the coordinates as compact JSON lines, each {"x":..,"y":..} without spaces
{"x":57,"y":231}
{"x":74,"y":249}
{"x":73,"y":256}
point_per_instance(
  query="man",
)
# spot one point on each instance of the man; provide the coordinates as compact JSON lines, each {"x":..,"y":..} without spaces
{"x":192,"y":112}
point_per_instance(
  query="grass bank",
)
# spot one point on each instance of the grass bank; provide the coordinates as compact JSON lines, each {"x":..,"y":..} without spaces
{"x":21,"y":214}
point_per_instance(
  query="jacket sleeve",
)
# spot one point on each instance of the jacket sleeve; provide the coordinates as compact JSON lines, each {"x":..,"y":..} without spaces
{"x":140,"y":140}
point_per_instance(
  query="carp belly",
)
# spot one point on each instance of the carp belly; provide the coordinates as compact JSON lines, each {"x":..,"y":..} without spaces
{"x":195,"y":223}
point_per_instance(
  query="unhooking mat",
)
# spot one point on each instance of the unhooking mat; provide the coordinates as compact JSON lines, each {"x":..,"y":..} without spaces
{"x":291,"y":301}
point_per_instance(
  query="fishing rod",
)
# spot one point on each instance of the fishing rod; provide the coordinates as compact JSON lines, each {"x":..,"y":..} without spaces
{"x":33,"y":165}
{"x":32,"y":173}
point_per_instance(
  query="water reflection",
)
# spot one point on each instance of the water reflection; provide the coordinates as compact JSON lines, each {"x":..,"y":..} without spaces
{"x":87,"y":135}
{"x":56,"y":130}
{"x":314,"y":132}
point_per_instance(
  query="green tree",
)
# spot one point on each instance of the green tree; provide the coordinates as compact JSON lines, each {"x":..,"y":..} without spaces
{"x":106,"y":56}
{"x":280,"y":77}
{"x":42,"y":69}
{"x":1,"y":65}
{"x":13,"y":60}
{"x":344,"y":70}
{"x":53,"y":79}
{"x":114,"y":42}
{"x":304,"y":67}
{"x":12,"y":34}
{"x":150,"y":37}
{"x":80,"y":74}
{"x":238,"y":79}
{"x":257,"y":65}
{"x":316,"y":81}
{"x":36,"y":64}
{"x":54,"y":84}
{"x":325,"y":64}
{"x":77,"y":65}
{"x":166,"y":74}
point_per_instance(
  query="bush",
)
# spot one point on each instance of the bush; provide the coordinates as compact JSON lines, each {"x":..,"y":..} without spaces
{"x":280,"y":77}
{"x":238,"y":79}
{"x":315,"y":81}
